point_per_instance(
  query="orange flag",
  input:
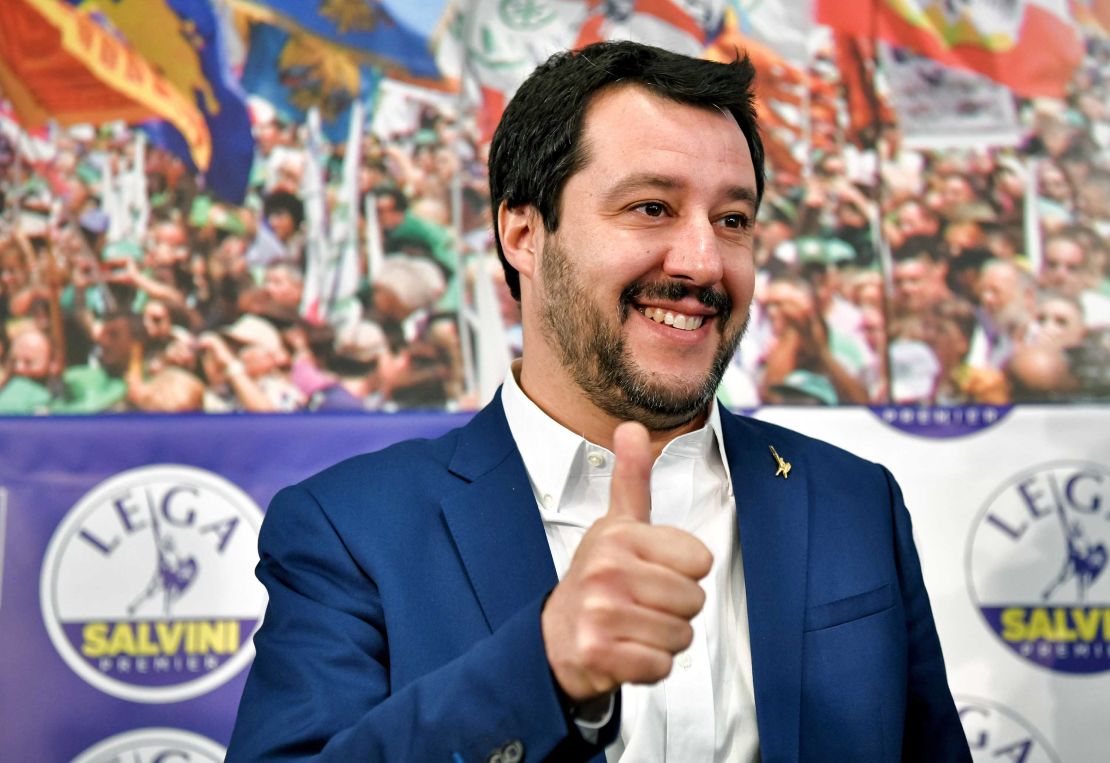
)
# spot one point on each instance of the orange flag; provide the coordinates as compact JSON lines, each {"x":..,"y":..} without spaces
{"x":1030,"y":46}
{"x":57,"y":63}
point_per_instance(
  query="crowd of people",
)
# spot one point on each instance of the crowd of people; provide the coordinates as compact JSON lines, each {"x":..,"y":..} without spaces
{"x":885,"y":276}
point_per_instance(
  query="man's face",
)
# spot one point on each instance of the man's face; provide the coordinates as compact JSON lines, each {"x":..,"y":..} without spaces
{"x":914,"y":221}
{"x":389,"y":217}
{"x":786,"y":304}
{"x":156,"y":321}
{"x":1060,"y":322}
{"x":1063,"y":267}
{"x":1000,"y":294}
{"x":282,"y":287}
{"x":114,"y":341}
{"x":911,"y":284}
{"x":30,"y":355}
{"x":643,"y":293}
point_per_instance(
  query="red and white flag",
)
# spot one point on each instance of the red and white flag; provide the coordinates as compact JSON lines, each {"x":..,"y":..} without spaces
{"x":491,"y":46}
{"x":1031,"y":46}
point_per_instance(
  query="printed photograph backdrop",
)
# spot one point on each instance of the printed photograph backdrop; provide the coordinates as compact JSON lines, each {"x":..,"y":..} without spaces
{"x":259,"y":206}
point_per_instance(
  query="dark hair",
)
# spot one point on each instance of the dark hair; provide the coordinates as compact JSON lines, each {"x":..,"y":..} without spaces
{"x":400,"y":200}
{"x":913,"y":247}
{"x":538,"y":144}
{"x":283,"y":201}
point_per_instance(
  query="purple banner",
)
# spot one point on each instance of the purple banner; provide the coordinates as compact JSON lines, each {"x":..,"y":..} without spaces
{"x":127,"y":546}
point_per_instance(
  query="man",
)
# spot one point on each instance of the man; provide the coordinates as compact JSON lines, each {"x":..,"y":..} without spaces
{"x":919,"y":277}
{"x":25,"y":377}
{"x":519,"y":589}
{"x":1067,"y":268}
{"x":1007,"y":298}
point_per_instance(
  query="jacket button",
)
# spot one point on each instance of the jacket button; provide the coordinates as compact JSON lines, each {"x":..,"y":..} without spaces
{"x":513,"y":752}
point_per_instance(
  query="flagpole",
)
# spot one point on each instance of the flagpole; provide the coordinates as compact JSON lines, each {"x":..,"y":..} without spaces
{"x":1032,"y":217}
{"x":468,"y":337}
{"x":882,"y":245}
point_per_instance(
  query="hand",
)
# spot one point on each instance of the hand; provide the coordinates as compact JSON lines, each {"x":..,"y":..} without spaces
{"x":623,"y":609}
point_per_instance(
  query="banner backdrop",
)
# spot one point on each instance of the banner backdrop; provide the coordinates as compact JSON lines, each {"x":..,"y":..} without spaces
{"x":128,"y":601}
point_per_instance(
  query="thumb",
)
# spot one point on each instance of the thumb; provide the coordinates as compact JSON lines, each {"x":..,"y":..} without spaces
{"x":630,"y":491}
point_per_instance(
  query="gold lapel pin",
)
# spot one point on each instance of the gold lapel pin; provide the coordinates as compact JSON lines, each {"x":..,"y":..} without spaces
{"x":784,"y":466}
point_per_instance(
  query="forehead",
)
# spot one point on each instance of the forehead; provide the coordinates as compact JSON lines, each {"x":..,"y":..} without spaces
{"x":628,"y":130}
{"x":1064,"y":249}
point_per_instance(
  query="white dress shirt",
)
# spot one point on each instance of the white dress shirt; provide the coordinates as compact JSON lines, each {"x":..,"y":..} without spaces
{"x":705,"y":709}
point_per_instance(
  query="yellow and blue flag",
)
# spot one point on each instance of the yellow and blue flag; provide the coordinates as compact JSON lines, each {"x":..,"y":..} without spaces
{"x":363,"y":27}
{"x":296,"y":72}
{"x":183,"y":40}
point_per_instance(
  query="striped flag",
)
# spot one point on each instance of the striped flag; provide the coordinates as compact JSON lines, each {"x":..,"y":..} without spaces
{"x":1031,"y":46}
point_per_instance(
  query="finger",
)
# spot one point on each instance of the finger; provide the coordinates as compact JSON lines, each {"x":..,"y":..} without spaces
{"x":630,"y":492}
{"x":674,"y":549}
{"x":650,"y":627}
{"x":636,"y":663}
{"x":666,"y":591}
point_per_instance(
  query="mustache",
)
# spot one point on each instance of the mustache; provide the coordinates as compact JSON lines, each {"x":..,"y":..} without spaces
{"x":673,"y":291}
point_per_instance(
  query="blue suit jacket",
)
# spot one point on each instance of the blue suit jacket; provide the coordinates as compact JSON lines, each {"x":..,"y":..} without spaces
{"x":406,"y":587}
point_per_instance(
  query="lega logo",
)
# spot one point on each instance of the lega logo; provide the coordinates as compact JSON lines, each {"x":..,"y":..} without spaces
{"x":155,"y":745}
{"x":1037,"y":565}
{"x":148,"y":589}
{"x":996,"y":733}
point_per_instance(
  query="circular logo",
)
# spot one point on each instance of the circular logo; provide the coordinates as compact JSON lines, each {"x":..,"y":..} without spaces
{"x":997,"y":733}
{"x":1036,"y":565}
{"x":148,"y":589}
{"x":525,"y":15}
{"x":155,"y":745}
{"x":940,"y":421}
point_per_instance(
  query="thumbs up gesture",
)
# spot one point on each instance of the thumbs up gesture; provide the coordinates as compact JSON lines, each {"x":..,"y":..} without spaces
{"x":623,"y":608}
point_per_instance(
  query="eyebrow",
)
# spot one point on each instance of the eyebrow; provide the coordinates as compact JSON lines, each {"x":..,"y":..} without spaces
{"x":644,"y":180}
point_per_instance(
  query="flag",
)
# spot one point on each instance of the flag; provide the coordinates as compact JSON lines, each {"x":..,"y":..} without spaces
{"x":784,"y":27}
{"x":296,"y":72}
{"x":683,"y":27}
{"x":868,"y":111}
{"x":344,"y":310}
{"x":332,"y":265}
{"x":183,"y":39}
{"x":365,"y":28}
{"x":57,"y":63}
{"x":1093,"y":16}
{"x":318,"y":250}
{"x":1031,"y":46}
{"x":943,"y":108}
{"x":780,"y":94}
{"x":491,"y":46}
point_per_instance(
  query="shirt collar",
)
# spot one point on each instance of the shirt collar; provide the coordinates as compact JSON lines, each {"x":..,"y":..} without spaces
{"x":550,"y":450}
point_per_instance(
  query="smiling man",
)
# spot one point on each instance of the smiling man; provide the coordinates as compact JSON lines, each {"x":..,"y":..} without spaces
{"x":604,"y":564}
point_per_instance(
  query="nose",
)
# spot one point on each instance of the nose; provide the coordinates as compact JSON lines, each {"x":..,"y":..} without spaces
{"x":694,"y":254}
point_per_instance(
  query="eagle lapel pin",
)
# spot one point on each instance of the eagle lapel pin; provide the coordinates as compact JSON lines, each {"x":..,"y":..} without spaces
{"x":784,"y":466}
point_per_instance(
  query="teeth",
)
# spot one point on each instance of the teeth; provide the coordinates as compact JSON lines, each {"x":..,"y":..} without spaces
{"x":676,"y":320}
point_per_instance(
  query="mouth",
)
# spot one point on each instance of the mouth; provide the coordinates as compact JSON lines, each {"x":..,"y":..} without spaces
{"x":681,"y":321}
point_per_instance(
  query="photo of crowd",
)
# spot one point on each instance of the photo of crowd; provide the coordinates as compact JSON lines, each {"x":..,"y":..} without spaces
{"x":887,"y":273}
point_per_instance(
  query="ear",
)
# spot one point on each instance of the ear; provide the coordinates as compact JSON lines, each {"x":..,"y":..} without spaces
{"x":521,"y":231}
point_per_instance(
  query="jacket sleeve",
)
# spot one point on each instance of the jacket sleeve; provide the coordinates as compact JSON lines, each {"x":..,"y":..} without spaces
{"x":933,"y":730}
{"x":319,"y":688}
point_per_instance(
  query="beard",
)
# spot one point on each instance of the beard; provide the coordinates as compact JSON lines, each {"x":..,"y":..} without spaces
{"x":591,"y":346}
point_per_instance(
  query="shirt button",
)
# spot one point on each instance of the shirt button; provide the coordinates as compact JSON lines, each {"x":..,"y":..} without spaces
{"x":548,"y":501}
{"x":685,"y":660}
{"x":595,"y":460}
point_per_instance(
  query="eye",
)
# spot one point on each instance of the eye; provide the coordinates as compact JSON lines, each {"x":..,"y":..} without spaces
{"x":653,"y":208}
{"x":735,"y":220}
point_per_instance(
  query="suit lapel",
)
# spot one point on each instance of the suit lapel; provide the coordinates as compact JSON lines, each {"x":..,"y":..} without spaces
{"x":773,"y":520}
{"x":494,"y":520}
